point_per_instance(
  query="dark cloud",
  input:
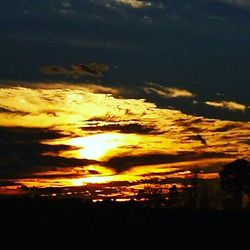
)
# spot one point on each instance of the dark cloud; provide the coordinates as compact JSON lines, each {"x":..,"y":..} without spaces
{"x":92,"y":69}
{"x":53,"y":176}
{"x":13,"y":112}
{"x":94,"y":172}
{"x":198,"y":137}
{"x":108,"y":118}
{"x":77,"y":70}
{"x":122,"y":163}
{"x":186,"y":123}
{"x":193,"y":122}
{"x":22,"y":153}
{"x":133,"y":147}
{"x":134,"y":128}
{"x":246,"y":141}
{"x":13,"y":135}
{"x":4,"y":110}
{"x":6,"y":183}
{"x":191,"y":125}
{"x":55,"y":70}
{"x":24,"y":166}
{"x":227,"y":128}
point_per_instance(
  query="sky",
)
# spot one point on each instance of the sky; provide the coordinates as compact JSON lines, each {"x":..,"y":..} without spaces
{"x":102,"y":97}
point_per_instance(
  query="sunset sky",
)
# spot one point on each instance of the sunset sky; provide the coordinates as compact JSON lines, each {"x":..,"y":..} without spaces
{"x":102,"y":97}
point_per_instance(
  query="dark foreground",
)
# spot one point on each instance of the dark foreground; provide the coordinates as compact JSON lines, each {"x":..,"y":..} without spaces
{"x":59,"y":221}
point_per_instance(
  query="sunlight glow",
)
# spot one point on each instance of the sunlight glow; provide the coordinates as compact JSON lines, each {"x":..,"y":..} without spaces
{"x":95,"y":146}
{"x":91,"y":179}
{"x":78,"y":182}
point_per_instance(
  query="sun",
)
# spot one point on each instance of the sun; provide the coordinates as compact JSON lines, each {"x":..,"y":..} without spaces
{"x":96,"y":146}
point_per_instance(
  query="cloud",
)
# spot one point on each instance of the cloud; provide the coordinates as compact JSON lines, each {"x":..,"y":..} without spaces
{"x":55,"y":70}
{"x":23,"y":153}
{"x":12,"y":135}
{"x":175,"y":92}
{"x":229,"y":105}
{"x":41,"y":105}
{"x":5,"y":183}
{"x":19,"y":165}
{"x":93,"y":69}
{"x":246,"y":141}
{"x":226,"y":127}
{"x":123,"y":163}
{"x":77,"y":70}
{"x":87,"y":87}
{"x":198,"y":137}
{"x":13,"y":112}
{"x":128,"y":128}
{"x":167,"y":92}
{"x":135,"y":3}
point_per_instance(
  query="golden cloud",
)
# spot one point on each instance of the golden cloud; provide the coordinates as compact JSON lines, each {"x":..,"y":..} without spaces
{"x":166,"y":91}
{"x":232,"y":106}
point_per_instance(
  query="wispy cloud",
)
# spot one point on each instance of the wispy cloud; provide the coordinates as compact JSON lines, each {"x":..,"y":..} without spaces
{"x":167,"y":92}
{"x":135,"y":4}
{"x":230,"y":105}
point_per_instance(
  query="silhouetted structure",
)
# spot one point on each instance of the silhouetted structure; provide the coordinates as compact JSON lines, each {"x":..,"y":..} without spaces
{"x":173,"y":196}
{"x":235,"y":179}
{"x":192,"y":197}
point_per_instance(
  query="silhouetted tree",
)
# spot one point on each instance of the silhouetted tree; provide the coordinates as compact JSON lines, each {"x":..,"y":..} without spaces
{"x":235,"y":179}
{"x":153,"y":196}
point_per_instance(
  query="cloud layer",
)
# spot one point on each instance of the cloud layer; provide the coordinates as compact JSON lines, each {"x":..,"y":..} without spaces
{"x":57,"y":136}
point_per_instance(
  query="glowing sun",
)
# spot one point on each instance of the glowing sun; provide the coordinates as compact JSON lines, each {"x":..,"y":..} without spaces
{"x":95,"y":146}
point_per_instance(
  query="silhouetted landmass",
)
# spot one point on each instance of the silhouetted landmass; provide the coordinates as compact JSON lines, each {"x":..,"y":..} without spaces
{"x":142,"y":220}
{"x":75,"y":220}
